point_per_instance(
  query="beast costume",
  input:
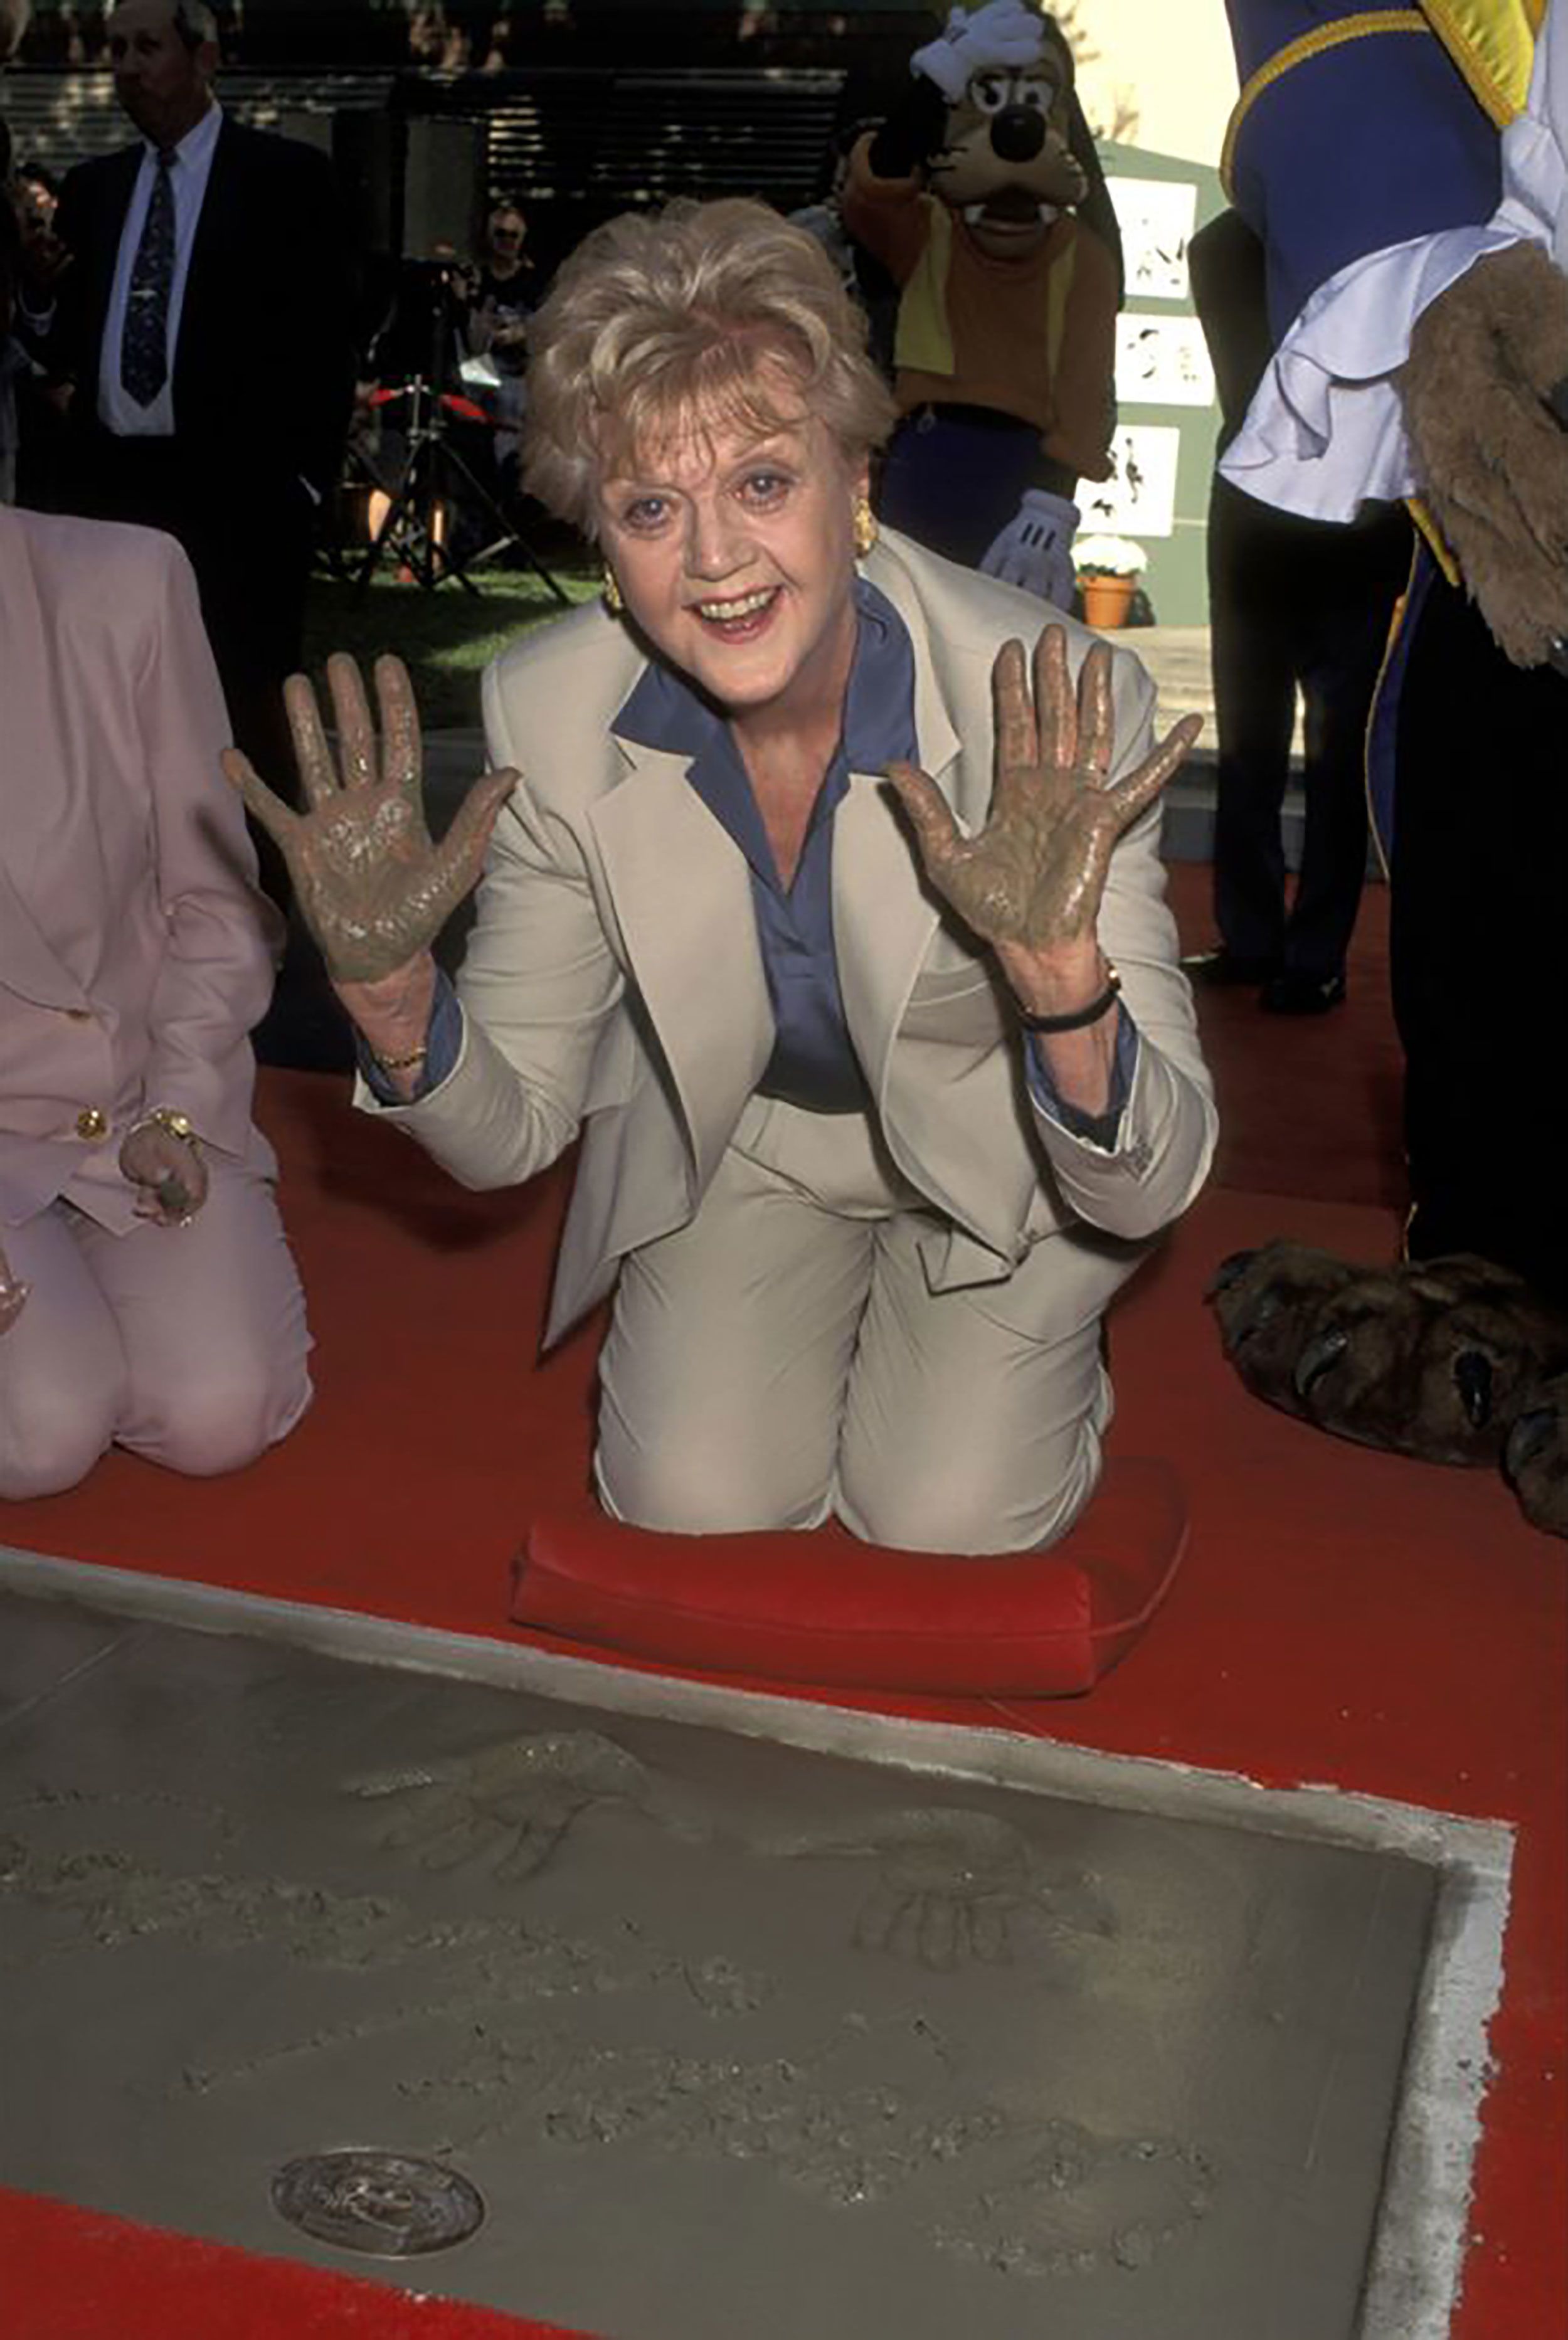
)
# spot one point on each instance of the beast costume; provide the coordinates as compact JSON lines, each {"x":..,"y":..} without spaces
{"x":1407,"y":169}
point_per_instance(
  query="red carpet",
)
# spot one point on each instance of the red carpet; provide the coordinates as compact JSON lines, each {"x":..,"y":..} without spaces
{"x":69,"y":2275}
{"x":1310,"y":1103}
{"x":1342,"y":1617}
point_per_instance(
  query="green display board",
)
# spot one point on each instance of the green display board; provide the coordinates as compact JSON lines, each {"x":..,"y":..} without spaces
{"x":1168,"y":417}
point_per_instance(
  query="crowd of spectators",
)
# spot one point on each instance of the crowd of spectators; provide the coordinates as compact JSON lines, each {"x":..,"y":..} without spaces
{"x":63,"y":448}
{"x":466,"y":335}
{"x":459,"y":37}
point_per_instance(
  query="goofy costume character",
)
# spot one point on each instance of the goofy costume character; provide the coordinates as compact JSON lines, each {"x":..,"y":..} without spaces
{"x":1005,"y":355}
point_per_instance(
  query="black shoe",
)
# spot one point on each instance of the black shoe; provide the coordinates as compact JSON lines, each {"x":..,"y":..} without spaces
{"x":1224,"y":969}
{"x":1295,"y":994}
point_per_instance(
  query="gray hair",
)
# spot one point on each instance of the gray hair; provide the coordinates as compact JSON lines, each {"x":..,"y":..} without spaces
{"x":13,"y":16}
{"x":194,"y":22}
{"x":709,"y":314}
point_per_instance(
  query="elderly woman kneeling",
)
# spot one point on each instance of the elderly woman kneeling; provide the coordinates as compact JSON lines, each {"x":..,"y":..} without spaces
{"x":833,"y":921}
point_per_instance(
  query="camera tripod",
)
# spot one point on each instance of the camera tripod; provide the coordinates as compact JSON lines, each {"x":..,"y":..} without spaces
{"x":435,"y":480}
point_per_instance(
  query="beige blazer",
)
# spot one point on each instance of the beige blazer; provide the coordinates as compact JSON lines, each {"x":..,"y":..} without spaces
{"x":614,"y":982}
{"x":136,"y":952}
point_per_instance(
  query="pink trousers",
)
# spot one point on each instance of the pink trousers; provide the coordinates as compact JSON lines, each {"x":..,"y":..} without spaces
{"x":185,"y":1344}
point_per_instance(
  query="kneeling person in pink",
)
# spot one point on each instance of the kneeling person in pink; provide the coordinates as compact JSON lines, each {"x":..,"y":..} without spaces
{"x":147,"y":1295}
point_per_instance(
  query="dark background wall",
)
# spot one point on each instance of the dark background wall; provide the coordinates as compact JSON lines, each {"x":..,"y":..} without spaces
{"x":577,"y":108}
{"x":454,"y":32}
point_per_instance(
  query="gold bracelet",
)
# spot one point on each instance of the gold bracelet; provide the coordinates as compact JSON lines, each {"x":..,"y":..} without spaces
{"x":401,"y":1063}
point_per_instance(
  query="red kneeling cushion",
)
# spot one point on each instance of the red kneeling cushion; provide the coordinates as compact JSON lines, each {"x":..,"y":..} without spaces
{"x":819,"y":1607}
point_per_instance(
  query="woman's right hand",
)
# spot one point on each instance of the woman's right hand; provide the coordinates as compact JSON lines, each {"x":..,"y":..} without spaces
{"x":374,"y":888}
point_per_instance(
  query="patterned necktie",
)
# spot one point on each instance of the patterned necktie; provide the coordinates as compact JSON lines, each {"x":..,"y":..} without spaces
{"x":144,"y":347}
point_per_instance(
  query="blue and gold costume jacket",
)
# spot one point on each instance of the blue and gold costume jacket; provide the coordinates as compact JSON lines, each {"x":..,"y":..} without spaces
{"x":1356,"y":129}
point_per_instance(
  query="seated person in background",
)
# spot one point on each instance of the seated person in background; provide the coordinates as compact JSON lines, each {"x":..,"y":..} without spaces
{"x":505,"y":281}
{"x":147,"y":1295}
{"x":37,"y":190}
{"x":873,"y":1130}
{"x":500,"y":297}
{"x":34,"y":429}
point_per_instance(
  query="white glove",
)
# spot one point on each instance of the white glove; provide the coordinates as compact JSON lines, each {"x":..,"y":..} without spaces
{"x":1003,"y":33}
{"x":1035,"y":548}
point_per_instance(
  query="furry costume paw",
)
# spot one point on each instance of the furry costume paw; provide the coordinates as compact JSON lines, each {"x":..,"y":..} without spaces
{"x":1535,"y":1457}
{"x":1444,"y":1359}
{"x":1485,"y":397}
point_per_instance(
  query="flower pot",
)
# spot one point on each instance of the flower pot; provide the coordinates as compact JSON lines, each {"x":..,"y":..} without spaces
{"x":1107,"y":601}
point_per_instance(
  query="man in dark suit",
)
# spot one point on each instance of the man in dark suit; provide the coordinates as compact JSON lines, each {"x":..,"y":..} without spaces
{"x":204,"y":322}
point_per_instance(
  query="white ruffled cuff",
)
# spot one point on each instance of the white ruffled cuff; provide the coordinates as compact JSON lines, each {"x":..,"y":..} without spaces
{"x":1324,"y":430}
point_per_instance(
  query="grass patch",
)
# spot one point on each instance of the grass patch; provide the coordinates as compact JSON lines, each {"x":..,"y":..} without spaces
{"x":444,"y":638}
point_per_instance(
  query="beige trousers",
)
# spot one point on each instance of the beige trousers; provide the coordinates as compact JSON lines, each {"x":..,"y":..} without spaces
{"x":784,"y":1357}
{"x":187,"y":1344}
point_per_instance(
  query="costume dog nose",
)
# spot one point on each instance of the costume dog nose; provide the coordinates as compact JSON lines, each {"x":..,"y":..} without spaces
{"x":1019,"y":132}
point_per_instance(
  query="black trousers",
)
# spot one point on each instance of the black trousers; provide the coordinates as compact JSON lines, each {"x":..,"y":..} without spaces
{"x":249,"y":534}
{"x":1478,"y":943}
{"x":1294,"y":601}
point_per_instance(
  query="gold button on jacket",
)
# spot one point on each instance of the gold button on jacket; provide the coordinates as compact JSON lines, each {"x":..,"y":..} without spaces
{"x":92,"y":1124}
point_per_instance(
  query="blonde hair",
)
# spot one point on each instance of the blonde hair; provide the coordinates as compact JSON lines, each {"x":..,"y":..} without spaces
{"x":699,"y":316}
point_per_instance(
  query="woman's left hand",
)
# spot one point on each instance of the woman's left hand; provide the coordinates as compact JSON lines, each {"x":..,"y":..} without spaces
{"x":1030,"y":883}
{"x":167,"y":1172}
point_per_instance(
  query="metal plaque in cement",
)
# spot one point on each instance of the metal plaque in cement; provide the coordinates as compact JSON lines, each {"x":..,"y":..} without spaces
{"x":684,"y":2035}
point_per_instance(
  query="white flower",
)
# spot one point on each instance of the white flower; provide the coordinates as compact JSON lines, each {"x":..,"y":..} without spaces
{"x":1108,"y":556}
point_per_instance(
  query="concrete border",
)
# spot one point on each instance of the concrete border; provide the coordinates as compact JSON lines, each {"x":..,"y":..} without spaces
{"x":1417,"y":2259}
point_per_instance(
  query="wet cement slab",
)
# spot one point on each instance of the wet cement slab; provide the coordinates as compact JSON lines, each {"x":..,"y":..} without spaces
{"x":712,"y":2035}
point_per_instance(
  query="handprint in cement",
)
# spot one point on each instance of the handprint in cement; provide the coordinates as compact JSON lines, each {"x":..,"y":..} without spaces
{"x":955,"y":1885}
{"x":508,"y":1806}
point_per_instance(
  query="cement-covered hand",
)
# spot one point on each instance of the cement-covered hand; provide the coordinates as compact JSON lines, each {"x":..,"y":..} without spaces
{"x":167,"y":1172}
{"x":1535,"y":1454}
{"x":1485,"y":398}
{"x":1035,"y":548}
{"x":375,"y":891}
{"x":1032,"y":879}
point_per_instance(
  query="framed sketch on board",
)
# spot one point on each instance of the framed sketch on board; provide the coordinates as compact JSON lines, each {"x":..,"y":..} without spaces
{"x":1139,"y":497}
{"x":1157,"y":217}
{"x":1162,"y":361}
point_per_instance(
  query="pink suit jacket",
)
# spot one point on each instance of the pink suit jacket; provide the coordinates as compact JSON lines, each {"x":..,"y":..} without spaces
{"x":135,"y":950}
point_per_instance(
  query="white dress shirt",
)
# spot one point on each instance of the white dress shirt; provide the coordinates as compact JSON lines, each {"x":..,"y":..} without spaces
{"x":188,"y":175}
{"x":1325,"y":428}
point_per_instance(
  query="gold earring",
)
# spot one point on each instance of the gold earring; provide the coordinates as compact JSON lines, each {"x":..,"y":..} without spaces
{"x":865,"y":525}
{"x":612,"y":593}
